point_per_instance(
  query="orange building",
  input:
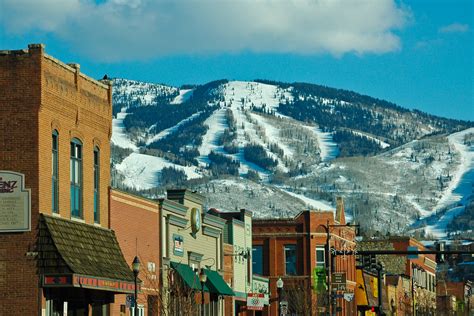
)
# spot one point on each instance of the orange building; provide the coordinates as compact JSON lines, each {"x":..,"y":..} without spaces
{"x":294,"y":250}
{"x":56,"y":251}
{"x":422,"y":272}
{"x":136,"y":222}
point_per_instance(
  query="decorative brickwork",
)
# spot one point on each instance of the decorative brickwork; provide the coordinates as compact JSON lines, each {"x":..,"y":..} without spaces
{"x":37,"y":95}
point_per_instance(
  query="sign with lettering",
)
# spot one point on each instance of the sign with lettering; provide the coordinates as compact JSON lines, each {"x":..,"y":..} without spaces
{"x":178,"y":245}
{"x":255,"y":301}
{"x":15,"y":203}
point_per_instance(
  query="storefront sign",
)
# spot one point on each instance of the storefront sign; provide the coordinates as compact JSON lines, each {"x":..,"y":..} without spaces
{"x":103,"y":284}
{"x":255,"y":301}
{"x":178,"y":245}
{"x":77,"y":280}
{"x":338,"y":281}
{"x":15,"y":203}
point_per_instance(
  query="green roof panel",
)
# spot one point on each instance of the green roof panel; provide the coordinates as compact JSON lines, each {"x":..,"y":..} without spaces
{"x":217,"y":284}
{"x":190,"y":278}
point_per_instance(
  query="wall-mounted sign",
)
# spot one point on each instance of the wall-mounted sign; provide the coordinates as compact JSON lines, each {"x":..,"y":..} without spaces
{"x":195,"y":220}
{"x":178,"y":245}
{"x":15,"y":203}
{"x":255,"y":301}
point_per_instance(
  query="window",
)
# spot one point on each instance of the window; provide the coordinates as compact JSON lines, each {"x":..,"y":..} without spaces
{"x":290,"y":259}
{"x":54,"y":173}
{"x":76,"y":178}
{"x":320,"y":254}
{"x":96,"y":185}
{"x":257,"y":259}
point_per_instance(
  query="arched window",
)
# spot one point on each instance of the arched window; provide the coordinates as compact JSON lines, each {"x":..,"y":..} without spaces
{"x":76,"y":178}
{"x":96,"y":185}
{"x":54,"y":173}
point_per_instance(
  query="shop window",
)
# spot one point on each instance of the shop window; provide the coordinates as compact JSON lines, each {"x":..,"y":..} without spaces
{"x":290,"y":259}
{"x":320,"y":257}
{"x":257,"y":259}
{"x":141,"y":311}
{"x":54,"y":173}
{"x":96,"y":185}
{"x":76,"y":178}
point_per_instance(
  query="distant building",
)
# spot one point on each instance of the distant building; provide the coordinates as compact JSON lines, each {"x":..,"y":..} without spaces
{"x":56,"y":251}
{"x":294,"y":250}
{"x":420,"y":269}
{"x":238,"y":234}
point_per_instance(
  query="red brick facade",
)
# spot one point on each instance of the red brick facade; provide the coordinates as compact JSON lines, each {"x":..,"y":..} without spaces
{"x":136,"y":222}
{"x":304,"y":231}
{"x":39,"y":94}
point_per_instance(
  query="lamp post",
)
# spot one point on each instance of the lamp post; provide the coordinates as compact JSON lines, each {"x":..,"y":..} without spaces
{"x":279,"y":284}
{"x":329,"y":259}
{"x":136,"y":270}
{"x":202,"y":279}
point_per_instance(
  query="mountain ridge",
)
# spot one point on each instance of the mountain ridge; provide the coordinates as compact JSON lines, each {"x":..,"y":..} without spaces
{"x":281,"y":136}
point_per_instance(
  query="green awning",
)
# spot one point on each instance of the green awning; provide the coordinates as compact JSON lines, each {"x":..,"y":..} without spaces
{"x":217,"y":284}
{"x":190,"y":278}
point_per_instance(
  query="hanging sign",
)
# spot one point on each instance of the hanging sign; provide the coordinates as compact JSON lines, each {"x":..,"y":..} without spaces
{"x":255,"y":301}
{"x":15,"y":203}
{"x":178,"y":245}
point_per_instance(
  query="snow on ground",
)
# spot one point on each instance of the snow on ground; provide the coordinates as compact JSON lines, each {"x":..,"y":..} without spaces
{"x":328,"y":147}
{"x":170,"y":130}
{"x":141,"y":171}
{"x":145,"y":92}
{"x":438,"y":230}
{"x":119,"y":136}
{"x":272,"y":133}
{"x":314,"y":204}
{"x":254,"y":93}
{"x":217,"y":123}
{"x":461,"y":184}
{"x":382,"y":144}
{"x":183,"y":96}
{"x":460,"y":188}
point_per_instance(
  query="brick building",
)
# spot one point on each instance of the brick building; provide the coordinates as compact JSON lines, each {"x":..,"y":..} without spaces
{"x":294,"y":250}
{"x":422,"y":272}
{"x":136,"y":222}
{"x":55,"y":126}
{"x":238,"y":234}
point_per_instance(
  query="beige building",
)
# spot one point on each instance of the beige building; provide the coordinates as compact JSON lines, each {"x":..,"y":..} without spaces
{"x":192,"y":244}
{"x":238,"y":234}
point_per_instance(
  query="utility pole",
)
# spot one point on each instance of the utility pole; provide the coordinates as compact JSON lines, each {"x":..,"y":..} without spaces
{"x":379,"y":287}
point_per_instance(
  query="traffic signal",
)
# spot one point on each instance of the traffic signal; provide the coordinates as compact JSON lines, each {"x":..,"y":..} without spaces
{"x":373,"y":262}
{"x":440,"y":246}
{"x":366,"y":261}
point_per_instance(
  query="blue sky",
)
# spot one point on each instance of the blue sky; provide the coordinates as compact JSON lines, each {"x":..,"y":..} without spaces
{"x":416,"y":53}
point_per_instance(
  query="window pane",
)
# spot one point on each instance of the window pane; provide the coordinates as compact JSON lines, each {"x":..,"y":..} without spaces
{"x":320,"y":257}
{"x":290,"y":259}
{"x":257,"y":260}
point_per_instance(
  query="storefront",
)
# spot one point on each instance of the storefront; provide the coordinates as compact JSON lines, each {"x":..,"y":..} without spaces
{"x":81,"y":267}
{"x":192,"y":251}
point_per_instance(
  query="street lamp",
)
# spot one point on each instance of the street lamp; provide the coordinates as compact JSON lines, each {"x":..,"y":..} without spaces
{"x":279,"y":289}
{"x":136,"y":270}
{"x":202,"y":279}
{"x":329,"y":259}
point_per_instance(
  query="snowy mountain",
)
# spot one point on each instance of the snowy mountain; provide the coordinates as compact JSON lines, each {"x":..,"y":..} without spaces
{"x":278,"y":148}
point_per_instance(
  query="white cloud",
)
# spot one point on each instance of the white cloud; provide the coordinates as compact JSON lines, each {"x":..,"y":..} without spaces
{"x":454,"y":28}
{"x":140,"y":29}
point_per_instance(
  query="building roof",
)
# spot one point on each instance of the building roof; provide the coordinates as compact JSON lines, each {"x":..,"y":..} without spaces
{"x":66,"y":246}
